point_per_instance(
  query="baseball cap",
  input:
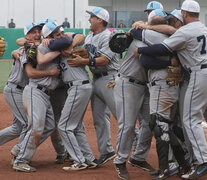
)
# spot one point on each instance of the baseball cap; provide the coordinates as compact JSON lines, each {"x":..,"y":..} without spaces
{"x":153,"y":5}
{"x":190,"y":6}
{"x":157,"y":12}
{"x":29,"y":27}
{"x":177,"y":14}
{"x":100,"y":13}
{"x":49,"y":28}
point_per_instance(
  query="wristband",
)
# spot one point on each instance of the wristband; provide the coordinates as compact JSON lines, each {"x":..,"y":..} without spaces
{"x":92,"y":62}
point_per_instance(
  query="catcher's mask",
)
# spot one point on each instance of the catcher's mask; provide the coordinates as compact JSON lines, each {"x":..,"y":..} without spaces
{"x":119,"y":41}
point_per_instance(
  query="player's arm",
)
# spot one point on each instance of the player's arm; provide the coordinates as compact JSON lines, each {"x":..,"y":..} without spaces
{"x":55,"y":46}
{"x":79,"y":61}
{"x":37,"y":73}
{"x":163,"y":28}
{"x":16,"y":54}
{"x":21,"y":41}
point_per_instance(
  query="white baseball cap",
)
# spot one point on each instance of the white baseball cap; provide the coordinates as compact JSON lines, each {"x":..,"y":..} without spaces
{"x":157,"y":12}
{"x":29,"y":27}
{"x":100,"y":13}
{"x":49,"y":28}
{"x":176,"y":13}
{"x":152,"y":5}
{"x":190,"y":6}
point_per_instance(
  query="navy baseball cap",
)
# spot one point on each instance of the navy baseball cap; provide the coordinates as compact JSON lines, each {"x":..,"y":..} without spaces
{"x":153,"y":5}
{"x":49,"y":28}
{"x":29,"y":27}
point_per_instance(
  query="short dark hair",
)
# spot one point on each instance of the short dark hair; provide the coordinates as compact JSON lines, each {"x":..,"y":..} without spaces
{"x":158,"y":20}
{"x":193,"y":14}
{"x":105,"y":23}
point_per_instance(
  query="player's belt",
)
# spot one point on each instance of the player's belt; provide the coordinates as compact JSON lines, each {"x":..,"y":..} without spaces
{"x":45,"y":90}
{"x":197,"y":68}
{"x":98,"y":75}
{"x":14,"y":85}
{"x":133,"y":80}
{"x":76,"y":83}
{"x":159,"y":82}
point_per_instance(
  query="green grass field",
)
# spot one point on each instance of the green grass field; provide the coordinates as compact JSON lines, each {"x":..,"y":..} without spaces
{"x":5,"y":68}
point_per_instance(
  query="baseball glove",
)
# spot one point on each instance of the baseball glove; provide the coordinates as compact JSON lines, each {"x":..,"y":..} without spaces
{"x":2,"y":46}
{"x":31,"y":53}
{"x":119,"y":41}
{"x":174,"y":75}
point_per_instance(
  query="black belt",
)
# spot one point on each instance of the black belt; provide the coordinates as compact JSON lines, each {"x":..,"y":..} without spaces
{"x":203,"y":66}
{"x":19,"y":87}
{"x":98,"y":75}
{"x":70,"y":84}
{"x":43,"y":89}
{"x":135,"y":81}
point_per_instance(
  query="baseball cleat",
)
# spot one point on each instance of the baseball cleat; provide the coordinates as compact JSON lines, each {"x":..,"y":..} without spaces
{"x":93,"y":164}
{"x":122,"y":171}
{"x":75,"y":167}
{"x":106,"y":157}
{"x":24,"y":167}
{"x":196,"y":172}
{"x":141,"y":164}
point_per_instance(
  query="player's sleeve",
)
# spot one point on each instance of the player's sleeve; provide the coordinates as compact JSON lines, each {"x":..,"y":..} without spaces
{"x":176,"y":42}
{"x":23,"y":60}
{"x":151,"y":62}
{"x":59,"y":44}
{"x":155,"y":50}
{"x":43,"y":49}
{"x":104,"y":49}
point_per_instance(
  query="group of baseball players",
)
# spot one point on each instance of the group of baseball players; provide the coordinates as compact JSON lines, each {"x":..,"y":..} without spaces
{"x":49,"y":93}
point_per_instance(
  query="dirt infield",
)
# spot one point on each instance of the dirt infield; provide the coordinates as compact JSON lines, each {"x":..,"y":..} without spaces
{"x":45,"y":156}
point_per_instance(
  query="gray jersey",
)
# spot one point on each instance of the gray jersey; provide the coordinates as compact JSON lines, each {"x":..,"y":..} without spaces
{"x":72,"y":73}
{"x":191,"y":51}
{"x":131,"y":66}
{"x":152,"y":37}
{"x":50,"y":82}
{"x":98,"y":44}
{"x":18,"y":75}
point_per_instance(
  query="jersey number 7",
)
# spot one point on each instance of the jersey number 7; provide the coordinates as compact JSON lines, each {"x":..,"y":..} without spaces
{"x":202,"y":38}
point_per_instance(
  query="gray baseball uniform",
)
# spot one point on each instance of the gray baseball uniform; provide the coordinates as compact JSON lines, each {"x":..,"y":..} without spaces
{"x":163,"y":99}
{"x":39,"y":111}
{"x":190,"y":44}
{"x":97,"y":44}
{"x":70,"y":126}
{"x":130,"y":94}
{"x":13,"y":95}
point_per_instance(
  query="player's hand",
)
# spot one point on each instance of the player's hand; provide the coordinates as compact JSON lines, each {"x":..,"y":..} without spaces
{"x":174,"y":61}
{"x":16,"y":54}
{"x":55,"y":71}
{"x":45,"y":42}
{"x":75,"y":61}
{"x":136,"y":54}
{"x":137,"y":24}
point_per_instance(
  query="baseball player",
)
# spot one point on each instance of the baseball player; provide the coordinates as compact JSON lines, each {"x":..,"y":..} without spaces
{"x":188,"y":41}
{"x":130,"y":91}
{"x":13,"y":94}
{"x":39,"y":111}
{"x":139,"y":155}
{"x":57,"y":98}
{"x":70,"y":125}
{"x":104,"y":66}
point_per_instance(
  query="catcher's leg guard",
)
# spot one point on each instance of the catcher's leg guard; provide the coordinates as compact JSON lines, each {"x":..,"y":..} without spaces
{"x":160,"y":129}
{"x":178,"y":151}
